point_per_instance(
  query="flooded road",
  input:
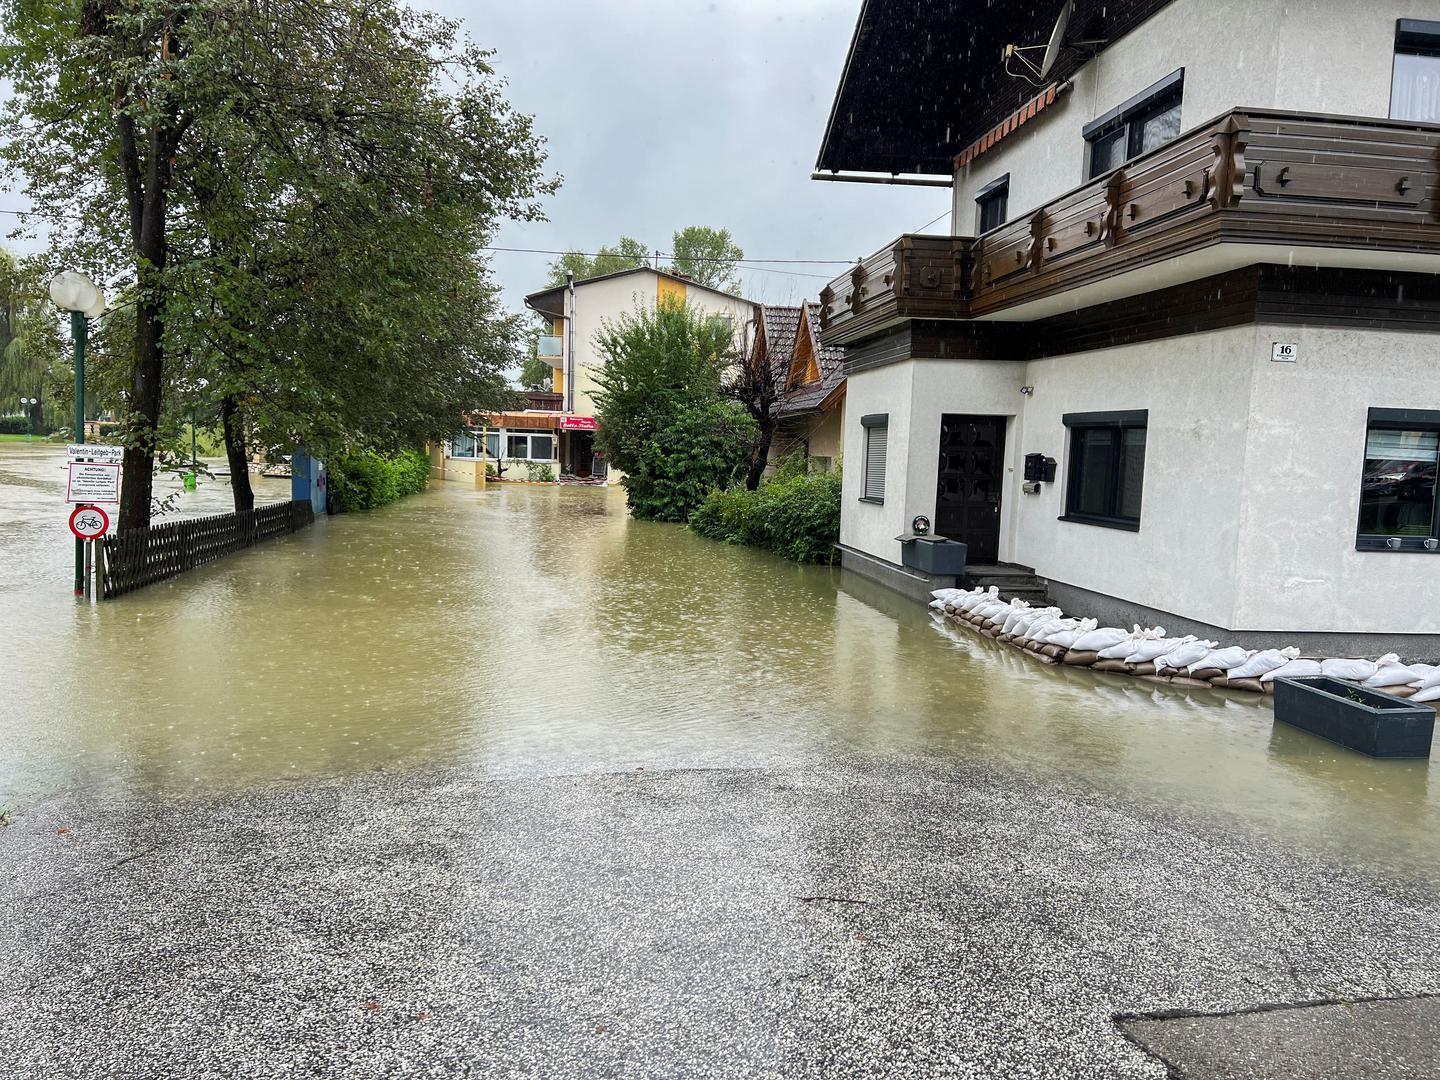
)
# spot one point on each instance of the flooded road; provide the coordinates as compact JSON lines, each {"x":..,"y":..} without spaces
{"x":538,"y":631}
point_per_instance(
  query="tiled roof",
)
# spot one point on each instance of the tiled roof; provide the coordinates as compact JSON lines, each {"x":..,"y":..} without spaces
{"x":830,"y":360}
{"x":781,"y":323}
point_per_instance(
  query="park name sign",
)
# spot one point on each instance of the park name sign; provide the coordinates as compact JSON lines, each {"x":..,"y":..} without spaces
{"x":112,"y":455}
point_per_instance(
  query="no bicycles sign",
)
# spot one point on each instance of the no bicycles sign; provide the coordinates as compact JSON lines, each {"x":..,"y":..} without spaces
{"x":89,"y":522}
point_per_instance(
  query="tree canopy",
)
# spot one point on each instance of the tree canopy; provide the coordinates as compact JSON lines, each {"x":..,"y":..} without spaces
{"x":628,"y":254}
{"x":290,"y":198}
{"x":29,"y":345}
{"x":705,"y":255}
{"x":663,"y":421}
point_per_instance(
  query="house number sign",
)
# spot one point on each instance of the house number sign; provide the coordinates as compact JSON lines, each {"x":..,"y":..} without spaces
{"x":1284,"y":352}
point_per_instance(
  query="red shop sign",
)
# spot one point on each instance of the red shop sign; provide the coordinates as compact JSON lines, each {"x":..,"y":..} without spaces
{"x":579,"y":423}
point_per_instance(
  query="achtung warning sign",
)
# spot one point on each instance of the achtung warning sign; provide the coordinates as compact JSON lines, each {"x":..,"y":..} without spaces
{"x":93,"y":482}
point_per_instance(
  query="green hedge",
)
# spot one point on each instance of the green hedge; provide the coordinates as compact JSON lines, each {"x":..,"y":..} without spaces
{"x":797,"y":517}
{"x":19,"y":425}
{"x":366,"y":480}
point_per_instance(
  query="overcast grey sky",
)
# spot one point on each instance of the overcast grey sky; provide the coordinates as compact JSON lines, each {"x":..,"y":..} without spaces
{"x":660,"y":115}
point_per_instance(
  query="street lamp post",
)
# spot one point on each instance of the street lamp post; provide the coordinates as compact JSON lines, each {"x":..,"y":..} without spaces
{"x":74,"y":292}
{"x":27,"y":405}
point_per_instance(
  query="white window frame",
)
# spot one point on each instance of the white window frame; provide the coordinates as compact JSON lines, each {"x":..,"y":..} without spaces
{"x":529,"y":436}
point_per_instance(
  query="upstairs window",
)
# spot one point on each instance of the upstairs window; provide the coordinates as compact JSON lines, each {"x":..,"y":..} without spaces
{"x":1147,"y":121}
{"x":992,"y":204}
{"x":1107,"y":468}
{"x":877,"y":436}
{"x":1415,"y":79}
{"x":1397,"y":486}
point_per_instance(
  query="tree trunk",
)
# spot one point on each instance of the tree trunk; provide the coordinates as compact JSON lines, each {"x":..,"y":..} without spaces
{"x":233,"y":424}
{"x":146,"y":188}
{"x":760,"y":456}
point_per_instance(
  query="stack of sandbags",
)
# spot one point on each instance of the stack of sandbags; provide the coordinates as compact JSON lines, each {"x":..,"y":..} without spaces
{"x":1049,"y":635}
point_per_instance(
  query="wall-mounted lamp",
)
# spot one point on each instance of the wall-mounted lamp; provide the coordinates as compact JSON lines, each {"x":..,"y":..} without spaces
{"x":1027,"y":390}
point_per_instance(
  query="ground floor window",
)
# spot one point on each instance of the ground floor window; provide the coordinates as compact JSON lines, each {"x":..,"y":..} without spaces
{"x":530,"y":446}
{"x":468,"y":445}
{"x":1397,"y":486}
{"x":877,"y":436}
{"x":1107,"y":468}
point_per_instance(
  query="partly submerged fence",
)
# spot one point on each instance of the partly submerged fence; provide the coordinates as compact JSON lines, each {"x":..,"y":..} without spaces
{"x":141,"y":557}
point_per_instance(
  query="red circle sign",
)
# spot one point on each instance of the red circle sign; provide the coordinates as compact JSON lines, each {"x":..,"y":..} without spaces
{"x":89,"y":522}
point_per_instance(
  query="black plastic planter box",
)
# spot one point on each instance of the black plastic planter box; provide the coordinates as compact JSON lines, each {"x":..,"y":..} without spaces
{"x":934,"y":555}
{"x":1356,"y":717}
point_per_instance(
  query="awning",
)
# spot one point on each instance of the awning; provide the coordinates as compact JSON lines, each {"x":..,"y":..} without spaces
{"x":534,"y":419}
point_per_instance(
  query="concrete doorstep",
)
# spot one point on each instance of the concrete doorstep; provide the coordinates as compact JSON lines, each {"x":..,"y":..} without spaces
{"x":1353,"y":1040}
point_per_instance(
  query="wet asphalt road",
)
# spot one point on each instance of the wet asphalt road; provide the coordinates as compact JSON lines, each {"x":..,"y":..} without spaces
{"x":862,"y":918}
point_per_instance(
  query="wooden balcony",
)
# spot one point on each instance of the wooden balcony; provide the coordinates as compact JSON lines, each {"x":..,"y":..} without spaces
{"x":1253,"y":177}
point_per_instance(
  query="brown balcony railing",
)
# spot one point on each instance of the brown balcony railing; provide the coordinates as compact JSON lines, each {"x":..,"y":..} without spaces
{"x":1248,"y":177}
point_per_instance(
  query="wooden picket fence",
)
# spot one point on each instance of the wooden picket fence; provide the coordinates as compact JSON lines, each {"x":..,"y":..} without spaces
{"x":131,"y":560}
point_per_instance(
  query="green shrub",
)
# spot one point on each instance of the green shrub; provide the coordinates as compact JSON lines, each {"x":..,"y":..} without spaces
{"x":365,"y":480}
{"x":540,"y":471}
{"x":791,"y":466}
{"x":798,"y":517}
{"x":20,"y":425}
{"x":704,"y":446}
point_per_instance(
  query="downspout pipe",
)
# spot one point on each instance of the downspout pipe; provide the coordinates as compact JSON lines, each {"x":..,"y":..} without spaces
{"x":570,"y":341}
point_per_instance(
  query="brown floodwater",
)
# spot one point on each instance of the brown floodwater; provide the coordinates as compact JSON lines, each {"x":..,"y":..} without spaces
{"x":531,"y":629}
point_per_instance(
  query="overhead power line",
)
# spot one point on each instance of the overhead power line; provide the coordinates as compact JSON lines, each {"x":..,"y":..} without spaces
{"x":671,"y":255}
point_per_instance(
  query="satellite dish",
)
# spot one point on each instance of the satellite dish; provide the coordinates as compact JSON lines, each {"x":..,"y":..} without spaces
{"x":1037,"y":74}
{"x":1057,"y":39}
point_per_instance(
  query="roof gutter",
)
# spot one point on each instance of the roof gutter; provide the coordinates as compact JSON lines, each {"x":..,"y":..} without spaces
{"x":881,"y":178}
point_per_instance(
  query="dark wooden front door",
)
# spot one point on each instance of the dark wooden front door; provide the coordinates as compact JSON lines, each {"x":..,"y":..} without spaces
{"x":972,"y":472}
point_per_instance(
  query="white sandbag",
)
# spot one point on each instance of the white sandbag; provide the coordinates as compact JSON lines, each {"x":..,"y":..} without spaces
{"x":948,"y":594}
{"x":937,"y":604}
{"x":1121,"y":649}
{"x":1099,"y":639}
{"x":1066,"y":638}
{"x":1054,"y":626}
{"x":1430,"y":693}
{"x":1295,"y":669}
{"x":1147,"y":652}
{"x":1018,"y":610}
{"x":1034,"y":622}
{"x":1392,"y":674}
{"x":1181,"y":656}
{"x":1425,"y":671}
{"x":974,"y":600}
{"x":1261,"y":662}
{"x":1353,"y":670}
{"x":1222,"y":659}
{"x":1429,"y":681}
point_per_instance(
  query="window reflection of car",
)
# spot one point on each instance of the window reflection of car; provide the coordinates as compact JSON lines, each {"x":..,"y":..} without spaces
{"x":1417,"y":483}
{"x":1405,"y":479}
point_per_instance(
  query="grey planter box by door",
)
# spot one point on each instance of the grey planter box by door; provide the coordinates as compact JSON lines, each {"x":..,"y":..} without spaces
{"x":934,"y":555}
{"x":1355,"y":717}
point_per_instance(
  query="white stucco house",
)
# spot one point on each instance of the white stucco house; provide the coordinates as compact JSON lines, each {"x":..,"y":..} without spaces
{"x":1177,"y":352}
{"x":558,"y":429}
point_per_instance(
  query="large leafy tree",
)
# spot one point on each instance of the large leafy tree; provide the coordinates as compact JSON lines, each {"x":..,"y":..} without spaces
{"x":29,"y":345}
{"x":291,"y":195}
{"x":707,"y":256}
{"x":663,"y":422}
{"x":628,"y":254}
